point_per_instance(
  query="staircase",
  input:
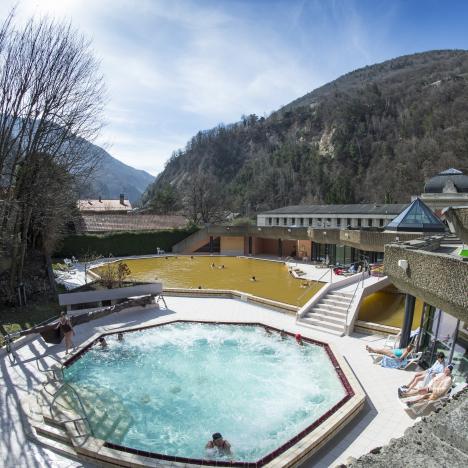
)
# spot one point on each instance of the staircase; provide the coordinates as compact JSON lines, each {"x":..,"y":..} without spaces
{"x":50,"y":426}
{"x":329,"y":313}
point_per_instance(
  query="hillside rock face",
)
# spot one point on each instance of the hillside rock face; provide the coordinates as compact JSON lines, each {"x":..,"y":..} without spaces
{"x":438,"y":440}
{"x":372,"y":135}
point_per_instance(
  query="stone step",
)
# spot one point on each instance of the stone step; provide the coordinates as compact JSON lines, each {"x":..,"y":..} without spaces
{"x":331,"y":301}
{"x":328,"y":312}
{"x":56,"y":446}
{"x":323,"y":324}
{"x":320,"y":328}
{"x":54,"y":433}
{"x":331,"y":308}
{"x":338,"y":293}
{"x":327,"y":319}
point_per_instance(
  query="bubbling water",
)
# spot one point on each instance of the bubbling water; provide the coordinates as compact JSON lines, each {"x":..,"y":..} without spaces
{"x":182,"y":382}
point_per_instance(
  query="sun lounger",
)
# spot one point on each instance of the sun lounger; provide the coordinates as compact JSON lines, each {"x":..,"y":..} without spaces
{"x":411,"y":359}
{"x":426,"y":404}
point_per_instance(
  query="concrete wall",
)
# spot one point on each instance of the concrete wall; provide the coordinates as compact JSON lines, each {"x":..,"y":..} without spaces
{"x":304,"y":248}
{"x":84,"y":297}
{"x":374,"y":241}
{"x":438,"y":279}
{"x":232,"y":245}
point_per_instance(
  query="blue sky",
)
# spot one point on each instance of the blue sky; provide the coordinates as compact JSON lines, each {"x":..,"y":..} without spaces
{"x":173,"y":68}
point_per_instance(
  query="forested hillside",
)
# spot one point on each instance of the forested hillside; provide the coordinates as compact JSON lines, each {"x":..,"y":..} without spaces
{"x":372,"y":135}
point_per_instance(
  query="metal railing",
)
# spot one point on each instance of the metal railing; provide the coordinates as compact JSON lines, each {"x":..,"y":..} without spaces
{"x":74,"y":392}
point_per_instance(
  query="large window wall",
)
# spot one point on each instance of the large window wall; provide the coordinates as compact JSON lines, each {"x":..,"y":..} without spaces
{"x":443,"y":332}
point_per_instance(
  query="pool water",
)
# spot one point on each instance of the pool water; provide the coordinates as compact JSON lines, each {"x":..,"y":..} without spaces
{"x":177,"y":384}
{"x":273,"y":280}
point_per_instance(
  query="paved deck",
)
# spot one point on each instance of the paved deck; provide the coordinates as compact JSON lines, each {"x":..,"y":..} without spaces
{"x":382,"y":419}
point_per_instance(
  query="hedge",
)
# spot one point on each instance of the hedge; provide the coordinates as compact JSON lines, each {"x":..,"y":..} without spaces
{"x":122,"y":243}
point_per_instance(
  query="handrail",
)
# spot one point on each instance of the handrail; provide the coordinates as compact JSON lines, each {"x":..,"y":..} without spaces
{"x":44,"y":371}
{"x":85,"y":416}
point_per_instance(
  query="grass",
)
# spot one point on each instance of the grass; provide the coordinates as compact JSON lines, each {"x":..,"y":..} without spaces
{"x":464,"y":253}
{"x":14,"y":319}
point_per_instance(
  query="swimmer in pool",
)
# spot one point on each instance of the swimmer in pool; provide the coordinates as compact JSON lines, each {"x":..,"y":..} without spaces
{"x":282,"y":334}
{"x":103,"y":342}
{"x":253,"y":279}
{"x":120,"y":336}
{"x":299,"y":339}
{"x":223,"y":446}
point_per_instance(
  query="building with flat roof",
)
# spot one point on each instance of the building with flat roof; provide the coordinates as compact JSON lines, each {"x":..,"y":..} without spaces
{"x":332,"y":216}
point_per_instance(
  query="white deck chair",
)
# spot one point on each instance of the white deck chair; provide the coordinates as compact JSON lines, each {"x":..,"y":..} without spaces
{"x":392,"y":341}
{"x":427,"y":404}
{"x":412,"y":358}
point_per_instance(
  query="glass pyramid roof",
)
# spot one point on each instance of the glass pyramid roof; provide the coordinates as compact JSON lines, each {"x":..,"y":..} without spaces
{"x":416,"y":217}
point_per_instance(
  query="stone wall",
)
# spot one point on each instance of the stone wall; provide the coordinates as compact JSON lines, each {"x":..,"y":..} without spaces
{"x":438,"y":279}
{"x":374,"y":241}
{"x":438,"y":440}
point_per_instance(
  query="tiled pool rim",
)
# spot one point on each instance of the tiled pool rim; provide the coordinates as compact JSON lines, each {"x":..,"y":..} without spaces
{"x":207,"y":462}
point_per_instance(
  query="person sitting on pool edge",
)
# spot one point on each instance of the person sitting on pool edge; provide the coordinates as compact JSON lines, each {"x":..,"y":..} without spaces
{"x":398,"y":353}
{"x":223,"y":446}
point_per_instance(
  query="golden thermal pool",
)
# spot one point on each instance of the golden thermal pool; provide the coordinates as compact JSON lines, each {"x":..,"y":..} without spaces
{"x":272,"y":279}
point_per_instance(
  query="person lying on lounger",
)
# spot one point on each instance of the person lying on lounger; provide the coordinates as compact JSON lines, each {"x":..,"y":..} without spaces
{"x":437,"y":388}
{"x":398,"y":353}
{"x":437,"y":368}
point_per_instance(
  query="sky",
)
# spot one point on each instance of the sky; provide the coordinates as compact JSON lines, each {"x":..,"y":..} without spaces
{"x":173,"y":68}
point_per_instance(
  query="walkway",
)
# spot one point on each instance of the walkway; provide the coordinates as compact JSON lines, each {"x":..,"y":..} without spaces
{"x":382,"y":420}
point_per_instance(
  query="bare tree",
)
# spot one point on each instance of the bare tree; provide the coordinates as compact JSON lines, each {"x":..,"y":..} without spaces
{"x":203,"y":199}
{"x":51,"y":100}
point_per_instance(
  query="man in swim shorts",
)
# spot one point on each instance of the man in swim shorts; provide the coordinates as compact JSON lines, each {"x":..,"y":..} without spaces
{"x":217,"y":442}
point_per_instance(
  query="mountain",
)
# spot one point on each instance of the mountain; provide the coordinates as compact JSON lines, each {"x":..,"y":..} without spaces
{"x":113,"y":177}
{"x":373,"y":135}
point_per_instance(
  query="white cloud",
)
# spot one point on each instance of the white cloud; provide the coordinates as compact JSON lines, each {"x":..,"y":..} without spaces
{"x":175,"y":67}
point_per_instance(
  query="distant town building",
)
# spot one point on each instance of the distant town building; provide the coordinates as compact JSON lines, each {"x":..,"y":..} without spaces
{"x":122,"y":205}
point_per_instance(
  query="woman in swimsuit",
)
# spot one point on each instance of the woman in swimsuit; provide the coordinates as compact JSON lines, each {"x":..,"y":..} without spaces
{"x":65,"y":325}
{"x":398,"y":353}
{"x":223,"y":446}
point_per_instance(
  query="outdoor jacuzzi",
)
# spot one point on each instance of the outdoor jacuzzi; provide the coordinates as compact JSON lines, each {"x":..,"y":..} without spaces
{"x":163,"y":391}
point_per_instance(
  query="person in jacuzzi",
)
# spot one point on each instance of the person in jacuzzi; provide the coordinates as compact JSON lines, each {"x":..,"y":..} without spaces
{"x":223,"y":446}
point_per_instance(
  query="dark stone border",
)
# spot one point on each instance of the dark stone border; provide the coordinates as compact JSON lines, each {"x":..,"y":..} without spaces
{"x":267,"y":458}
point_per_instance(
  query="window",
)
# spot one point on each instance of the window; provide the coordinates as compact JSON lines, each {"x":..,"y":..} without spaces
{"x":370,"y":222}
{"x":381,"y":222}
{"x":285,"y":221}
{"x":269,"y":221}
{"x":301,"y":221}
{"x":310,"y":221}
{"x":348,"y":221}
{"x":328,"y":222}
{"x":338,"y":222}
{"x":293,"y":221}
{"x":359,"y":222}
{"x":277,"y":221}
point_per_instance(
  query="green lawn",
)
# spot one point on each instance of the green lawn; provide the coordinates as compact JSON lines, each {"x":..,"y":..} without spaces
{"x":464,"y":253}
{"x":13,"y":319}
